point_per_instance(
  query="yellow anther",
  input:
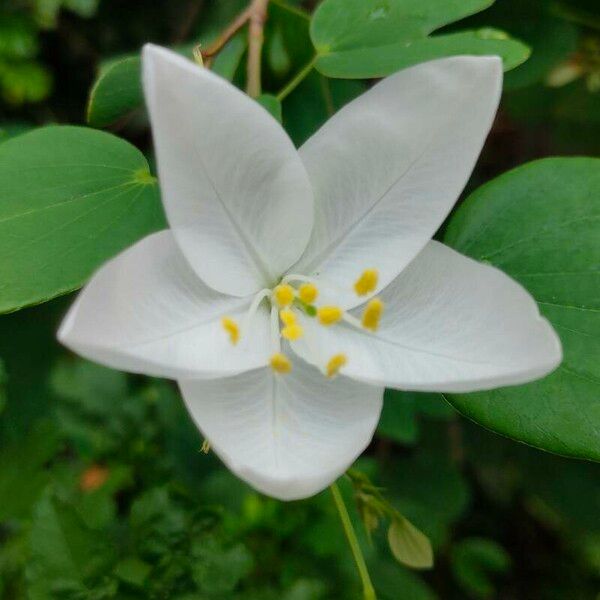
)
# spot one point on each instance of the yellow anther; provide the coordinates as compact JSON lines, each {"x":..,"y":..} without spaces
{"x":287,"y":316}
{"x":232,"y":328}
{"x":308,"y":293}
{"x":367,"y":282}
{"x":372,"y":314}
{"x":283,"y":294}
{"x":292,"y":332}
{"x":336,"y":362}
{"x":280,"y":363}
{"x":328,"y":315}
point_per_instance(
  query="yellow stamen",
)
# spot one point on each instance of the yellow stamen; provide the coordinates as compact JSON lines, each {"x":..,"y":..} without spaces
{"x":283,"y":294}
{"x":280,"y":363}
{"x":336,"y":362}
{"x":308,"y":293}
{"x":328,"y":315}
{"x":367,"y":282}
{"x":232,"y":328}
{"x":287,"y":316}
{"x":292,"y":332}
{"x":372,"y":314}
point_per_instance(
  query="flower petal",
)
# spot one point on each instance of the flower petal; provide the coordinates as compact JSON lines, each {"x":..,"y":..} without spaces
{"x":451,"y":325}
{"x":234,"y":188}
{"x":289,"y":435}
{"x":146,"y":311}
{"x":388,"y":167}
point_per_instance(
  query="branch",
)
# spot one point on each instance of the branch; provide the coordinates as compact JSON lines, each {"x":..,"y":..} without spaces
{"x":258,"y":16}
{"x":227,"y":34}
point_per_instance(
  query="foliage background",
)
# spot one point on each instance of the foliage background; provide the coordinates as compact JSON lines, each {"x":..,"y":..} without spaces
{"x":104,"y":492}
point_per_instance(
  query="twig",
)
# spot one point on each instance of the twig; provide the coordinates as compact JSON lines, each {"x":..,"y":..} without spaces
{"x":258,"y":16}
{"x":227,"y":34}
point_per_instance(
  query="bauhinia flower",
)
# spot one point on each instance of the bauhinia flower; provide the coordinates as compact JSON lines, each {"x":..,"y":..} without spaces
{"x":293,"y":286}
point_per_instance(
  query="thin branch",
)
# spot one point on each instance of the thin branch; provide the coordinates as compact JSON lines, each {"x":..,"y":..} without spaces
{"x":227,"y":34}
{"x":258,"y":16}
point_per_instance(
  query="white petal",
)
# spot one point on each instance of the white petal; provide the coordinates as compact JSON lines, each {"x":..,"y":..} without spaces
{"x":146,"y":311}
{"x":234,"y":188}
{"x":388,"y":167}
{"x":290,"y":435}
{"x":451,"y":325}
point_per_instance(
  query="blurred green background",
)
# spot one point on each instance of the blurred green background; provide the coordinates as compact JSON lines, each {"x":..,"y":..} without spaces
{"x":104,"y":491}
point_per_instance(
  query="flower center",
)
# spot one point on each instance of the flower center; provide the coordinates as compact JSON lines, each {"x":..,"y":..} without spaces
{"x":288,"y":301}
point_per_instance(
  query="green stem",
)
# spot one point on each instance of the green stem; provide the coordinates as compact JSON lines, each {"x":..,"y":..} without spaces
{"x":298,"y":78}
{"x":368,"y":590}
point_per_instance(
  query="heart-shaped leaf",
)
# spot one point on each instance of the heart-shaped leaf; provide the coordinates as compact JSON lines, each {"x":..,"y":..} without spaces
{"x":540,"y":223}
{"x":373,"y":38}
{"x":70,"y":198}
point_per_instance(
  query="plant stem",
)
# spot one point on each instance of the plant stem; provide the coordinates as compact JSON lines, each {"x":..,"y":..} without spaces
{"x":258,"y":16}
{"x":368,"y":590}
{"x":298,"y":78}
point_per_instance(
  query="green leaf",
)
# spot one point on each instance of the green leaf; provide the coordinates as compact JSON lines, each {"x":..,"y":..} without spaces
{"x":433,"y":502}
{"x":84,"y":8}
{"x":118,"y":89}
{"x":22,"y":472}
{"x":271,"y":104}
{"x":287,"y":41}
{"x":218,"y":569}
{"x":540,"y":223}
{"x":552,"y":40}
{"x":65,"y":554}
{"x":473,"y":560}
{"x":70,"y":198}
{"x":47,"y":11}
{"x":396,"y":583}
{"x":12,"y":129}
{"x":401,"y":411}
{"x":374,"y":38}
{"x":17,"y":37}
{"x":23,"y":82}
{"x":2,"y":390}
{"x":157,"y":521}
{"x":28,"y":348}
{"x":116,"y":92}
{"x":133,"y":571}
{"x":100,"y":391}
{"x":310,"y":105}
{"x":98,"y":507}
{"x":409,"y":545}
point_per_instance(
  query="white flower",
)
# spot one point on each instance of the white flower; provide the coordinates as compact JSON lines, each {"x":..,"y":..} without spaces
{"x":221,"y":302}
